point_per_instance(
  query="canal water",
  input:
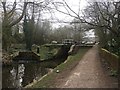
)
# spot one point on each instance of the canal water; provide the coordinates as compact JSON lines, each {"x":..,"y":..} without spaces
{"x":20,"y":75}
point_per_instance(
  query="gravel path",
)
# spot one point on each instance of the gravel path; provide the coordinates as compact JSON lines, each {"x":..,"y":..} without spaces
{"x":89,"y":73}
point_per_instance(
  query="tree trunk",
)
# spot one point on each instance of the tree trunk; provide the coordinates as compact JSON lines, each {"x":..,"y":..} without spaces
{"x":6,"y":37}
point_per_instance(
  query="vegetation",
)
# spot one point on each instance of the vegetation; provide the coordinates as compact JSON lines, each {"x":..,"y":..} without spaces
{"x":107,"y":30}
{"x":47,"y":52}
{"x":103,"y":17}
{"x":13,"y":23}
{"x":8,"y":22}
{"x":29,"y":28}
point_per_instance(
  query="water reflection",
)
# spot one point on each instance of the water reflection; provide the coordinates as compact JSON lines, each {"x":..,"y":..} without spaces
{"x":19,"y":75}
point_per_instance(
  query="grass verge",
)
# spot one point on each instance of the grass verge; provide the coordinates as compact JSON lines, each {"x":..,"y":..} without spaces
{"x":51,"y":79}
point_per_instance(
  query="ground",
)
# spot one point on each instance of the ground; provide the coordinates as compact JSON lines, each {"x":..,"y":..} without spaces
{"x":88,"y":73}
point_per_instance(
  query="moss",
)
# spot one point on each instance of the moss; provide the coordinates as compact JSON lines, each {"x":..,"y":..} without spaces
{"x":46,"y":52}
{"x":114,"y":73}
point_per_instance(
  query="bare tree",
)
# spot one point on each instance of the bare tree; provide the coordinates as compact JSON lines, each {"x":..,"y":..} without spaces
{"x":8,"y":21}
{"x":102,"y":16}
{"x":12,"y":16}
{"x":101,"y":9}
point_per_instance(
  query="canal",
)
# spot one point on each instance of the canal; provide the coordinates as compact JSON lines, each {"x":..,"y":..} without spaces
{"x":19,"y":75}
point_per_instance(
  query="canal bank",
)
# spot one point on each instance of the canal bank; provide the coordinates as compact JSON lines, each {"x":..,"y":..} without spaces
{"x":60,"y":72}
{"x":25,"y":69}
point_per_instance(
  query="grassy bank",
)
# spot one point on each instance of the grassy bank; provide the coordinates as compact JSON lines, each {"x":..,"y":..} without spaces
{"x":45,"y":52}
{"x":111,"y":59}
{"x":52,"y":79}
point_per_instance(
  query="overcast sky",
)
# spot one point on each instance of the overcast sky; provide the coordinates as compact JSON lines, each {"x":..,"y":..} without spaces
{"x":74,"y":4}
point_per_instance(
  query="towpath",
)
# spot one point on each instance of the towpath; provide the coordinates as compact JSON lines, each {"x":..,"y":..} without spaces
{"x":89,"y":73}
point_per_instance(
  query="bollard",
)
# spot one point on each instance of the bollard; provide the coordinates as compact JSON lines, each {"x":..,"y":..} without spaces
{"x":38,"y":50}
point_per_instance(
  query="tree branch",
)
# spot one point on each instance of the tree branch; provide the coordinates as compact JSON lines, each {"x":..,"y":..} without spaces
{"x":70,"y":8}
{"x":18,"y":20}
{"x":4,"y":7}
{"x":64,"y":12}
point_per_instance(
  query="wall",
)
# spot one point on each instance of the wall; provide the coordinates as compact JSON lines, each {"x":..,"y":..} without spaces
{"x":111,"y":58}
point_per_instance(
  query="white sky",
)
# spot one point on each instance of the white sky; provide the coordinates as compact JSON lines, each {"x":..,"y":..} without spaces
{"x":74,"y":4}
